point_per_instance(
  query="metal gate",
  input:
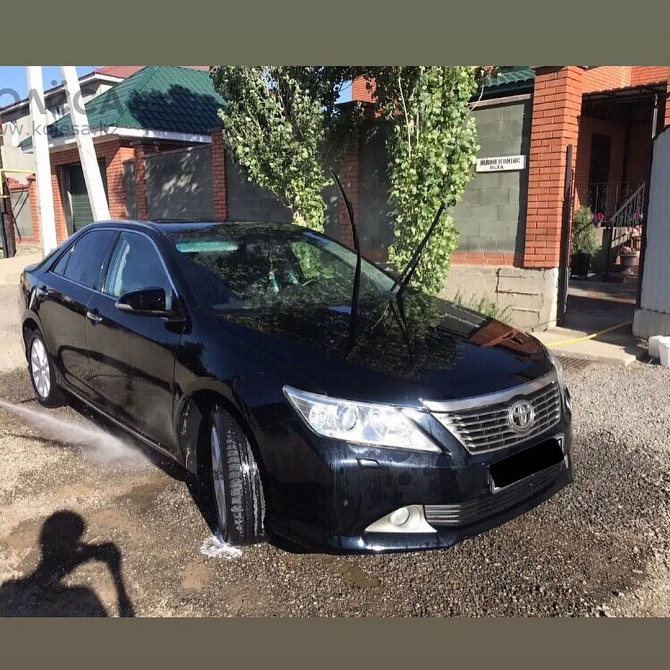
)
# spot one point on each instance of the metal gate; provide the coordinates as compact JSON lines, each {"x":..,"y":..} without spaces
{"x":566,"y":229}
{"x":79,"y":212}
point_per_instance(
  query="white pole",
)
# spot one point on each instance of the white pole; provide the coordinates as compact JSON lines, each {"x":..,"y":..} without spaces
{"x":45,"y":199}
{"x":89,"y":161}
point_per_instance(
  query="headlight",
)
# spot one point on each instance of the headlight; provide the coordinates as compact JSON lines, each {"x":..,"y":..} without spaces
{"x":558,"y":366}
{"x":364,"y":423}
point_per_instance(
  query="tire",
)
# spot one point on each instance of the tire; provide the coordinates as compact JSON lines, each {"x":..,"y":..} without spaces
{"x":237,"y":491}
{"x":42,"y":372}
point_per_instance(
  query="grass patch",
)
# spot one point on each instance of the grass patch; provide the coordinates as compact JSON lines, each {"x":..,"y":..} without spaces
{"x":484,"y":305}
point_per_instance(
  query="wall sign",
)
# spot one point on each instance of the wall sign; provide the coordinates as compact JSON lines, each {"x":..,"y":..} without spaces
{"x":500,"y":163}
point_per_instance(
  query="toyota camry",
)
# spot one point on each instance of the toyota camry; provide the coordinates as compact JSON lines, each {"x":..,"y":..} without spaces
{"x":318,"y":398}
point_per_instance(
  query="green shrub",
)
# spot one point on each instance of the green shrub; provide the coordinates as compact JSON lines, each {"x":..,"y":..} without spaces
{"x":584,"y":237}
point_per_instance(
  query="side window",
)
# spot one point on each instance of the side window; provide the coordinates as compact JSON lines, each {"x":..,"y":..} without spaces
{"x":61,"y":264}
{"x":87,"y":257}
{"x":135,"y":265}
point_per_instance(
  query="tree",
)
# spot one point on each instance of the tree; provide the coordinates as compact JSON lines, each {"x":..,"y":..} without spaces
{"x":432,"y":147}
{"x":278,"y":122}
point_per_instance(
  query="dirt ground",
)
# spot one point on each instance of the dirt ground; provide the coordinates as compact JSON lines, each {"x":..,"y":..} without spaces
{"x":598,"y":548}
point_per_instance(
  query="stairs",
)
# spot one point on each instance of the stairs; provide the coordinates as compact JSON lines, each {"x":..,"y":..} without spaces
{"x":621,"y":226}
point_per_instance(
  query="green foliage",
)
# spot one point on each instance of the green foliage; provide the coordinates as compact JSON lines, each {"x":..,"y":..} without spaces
{"x":280,"y":123}
{"x":432,"y":146}
{"x":277,"y":121}
{"x":483,"y":305}
{"x":584,"y":238}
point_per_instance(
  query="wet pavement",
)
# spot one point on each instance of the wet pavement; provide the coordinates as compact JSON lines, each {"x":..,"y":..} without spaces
{"x":86,"y":528}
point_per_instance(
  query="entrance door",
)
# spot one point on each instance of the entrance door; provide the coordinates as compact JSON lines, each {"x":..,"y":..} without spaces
{"x":80,"y":213}
{"x":599,"y":172}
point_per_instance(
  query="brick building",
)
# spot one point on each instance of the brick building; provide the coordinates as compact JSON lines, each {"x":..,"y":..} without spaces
{"x":154,"y":110}
{"x":511,"y":222}
{"x":163,"y":154}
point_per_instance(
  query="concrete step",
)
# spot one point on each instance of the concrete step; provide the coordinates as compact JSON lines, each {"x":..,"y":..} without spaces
{"x":613,"y":348}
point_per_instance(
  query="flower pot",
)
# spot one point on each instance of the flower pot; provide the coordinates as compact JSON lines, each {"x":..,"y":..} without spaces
{"x":628,"y":263}
{"x":580,"y":264}
{"x":637,"y":243}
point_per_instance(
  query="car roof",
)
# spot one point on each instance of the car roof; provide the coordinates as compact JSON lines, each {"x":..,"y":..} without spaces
{"x":171,"y":227}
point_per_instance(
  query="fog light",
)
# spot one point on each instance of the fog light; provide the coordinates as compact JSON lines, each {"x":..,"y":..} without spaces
{"x":410,"y":519}
{"x":400,"y":516}
{"x":568,"y":400}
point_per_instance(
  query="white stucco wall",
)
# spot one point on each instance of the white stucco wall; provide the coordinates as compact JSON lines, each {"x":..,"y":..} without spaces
{"x":653,"y":316}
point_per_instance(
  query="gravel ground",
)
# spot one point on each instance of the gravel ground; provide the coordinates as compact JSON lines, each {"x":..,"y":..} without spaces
{"x":598,"y":548}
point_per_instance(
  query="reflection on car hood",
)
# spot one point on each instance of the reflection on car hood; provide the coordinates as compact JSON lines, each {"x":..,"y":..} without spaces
{"x":417,"y":347}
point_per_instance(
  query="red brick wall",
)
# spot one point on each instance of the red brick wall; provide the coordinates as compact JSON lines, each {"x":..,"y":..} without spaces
{"x":219,"y":177}
{"x":557,"y":102}
{"x":360,"y":91}
{"x":606,"y":78}
{"x":648,"y":74}
{"x":350,"y":178}
{"x":140,"y":151}
{"x":114,"y":153}
{"x":116,"y":189}
{"x":486,"y":258}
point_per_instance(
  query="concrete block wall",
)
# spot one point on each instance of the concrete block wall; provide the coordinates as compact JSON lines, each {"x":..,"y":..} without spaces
{"x":248,"y":202}
{"x":179,"y":184}
{"x":522,"y":291}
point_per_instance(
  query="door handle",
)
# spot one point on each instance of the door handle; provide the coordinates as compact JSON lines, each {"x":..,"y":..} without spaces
{"x":93,"y":316}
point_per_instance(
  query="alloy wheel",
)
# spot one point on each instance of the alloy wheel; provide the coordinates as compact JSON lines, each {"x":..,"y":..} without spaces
{"x":39,"y":368}
{"x":219,"y":480}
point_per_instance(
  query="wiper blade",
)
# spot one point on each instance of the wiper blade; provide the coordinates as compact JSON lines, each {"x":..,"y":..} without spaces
{"x":403,"y":280}
{"x":357,"y":274}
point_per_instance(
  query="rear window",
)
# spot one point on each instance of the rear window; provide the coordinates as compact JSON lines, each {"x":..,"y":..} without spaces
{"x":83,"y":262}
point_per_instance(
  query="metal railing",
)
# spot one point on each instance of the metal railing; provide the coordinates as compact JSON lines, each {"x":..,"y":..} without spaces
{"x":606,"y":198}
{"x":629,"y":214}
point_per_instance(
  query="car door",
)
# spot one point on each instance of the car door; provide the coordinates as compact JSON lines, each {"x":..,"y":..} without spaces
{"x":64,"y":294}
{"x":132,"y":355}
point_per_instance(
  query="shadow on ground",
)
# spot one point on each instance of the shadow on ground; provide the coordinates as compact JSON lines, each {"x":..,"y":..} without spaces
{"x":62,"y":551}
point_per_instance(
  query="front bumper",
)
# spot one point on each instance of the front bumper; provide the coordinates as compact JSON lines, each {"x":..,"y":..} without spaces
{"x":329,"y":492}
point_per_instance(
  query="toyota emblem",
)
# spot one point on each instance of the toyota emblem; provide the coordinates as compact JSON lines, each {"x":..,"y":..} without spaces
{"x":521,"y":416}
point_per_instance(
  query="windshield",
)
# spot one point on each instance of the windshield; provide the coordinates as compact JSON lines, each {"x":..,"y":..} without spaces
{"x":244,"y":266}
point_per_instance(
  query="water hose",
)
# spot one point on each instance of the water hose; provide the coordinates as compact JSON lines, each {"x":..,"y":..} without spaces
{"x":550,"y":345}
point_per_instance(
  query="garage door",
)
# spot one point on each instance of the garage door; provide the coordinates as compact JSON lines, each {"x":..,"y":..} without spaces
{"x":80,"y":213}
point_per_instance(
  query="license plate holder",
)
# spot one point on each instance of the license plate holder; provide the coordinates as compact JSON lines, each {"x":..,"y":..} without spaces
{"x":526,"y":463}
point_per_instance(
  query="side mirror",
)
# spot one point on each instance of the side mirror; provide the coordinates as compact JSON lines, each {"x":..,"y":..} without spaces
{"x":148,"y":301}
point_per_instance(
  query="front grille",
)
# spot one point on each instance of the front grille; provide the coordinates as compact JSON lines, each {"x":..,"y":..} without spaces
{"x":485,"y":428}
{"x":471,"y":511}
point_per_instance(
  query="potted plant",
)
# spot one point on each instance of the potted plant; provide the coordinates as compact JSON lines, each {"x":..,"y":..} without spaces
{"x":628,"y":257}
{"x":584,"y":241}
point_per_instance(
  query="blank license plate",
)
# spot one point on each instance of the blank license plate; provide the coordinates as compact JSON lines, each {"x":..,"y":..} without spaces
{"x":526,"y":463}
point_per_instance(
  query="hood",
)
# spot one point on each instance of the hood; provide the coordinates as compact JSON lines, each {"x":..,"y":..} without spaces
{"x":407,"y":349}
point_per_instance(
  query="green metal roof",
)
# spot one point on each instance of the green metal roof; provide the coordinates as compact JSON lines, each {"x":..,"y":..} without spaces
{"x":166,"y":98}
{"x":510,"y":80}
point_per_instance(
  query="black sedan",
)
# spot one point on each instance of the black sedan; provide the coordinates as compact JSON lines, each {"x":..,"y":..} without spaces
{"x":405,"y":422}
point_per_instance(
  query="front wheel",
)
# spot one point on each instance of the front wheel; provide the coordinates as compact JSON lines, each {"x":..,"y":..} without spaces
{"x":236,"y":482}
{"x":42,"y":372}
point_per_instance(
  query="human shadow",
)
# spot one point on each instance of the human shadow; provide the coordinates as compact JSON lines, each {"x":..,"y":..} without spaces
{"x":43,"y":592}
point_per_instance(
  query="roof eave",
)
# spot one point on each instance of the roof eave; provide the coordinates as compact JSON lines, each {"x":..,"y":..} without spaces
{"x":49,"y":93}
{"x":110,"y":132}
